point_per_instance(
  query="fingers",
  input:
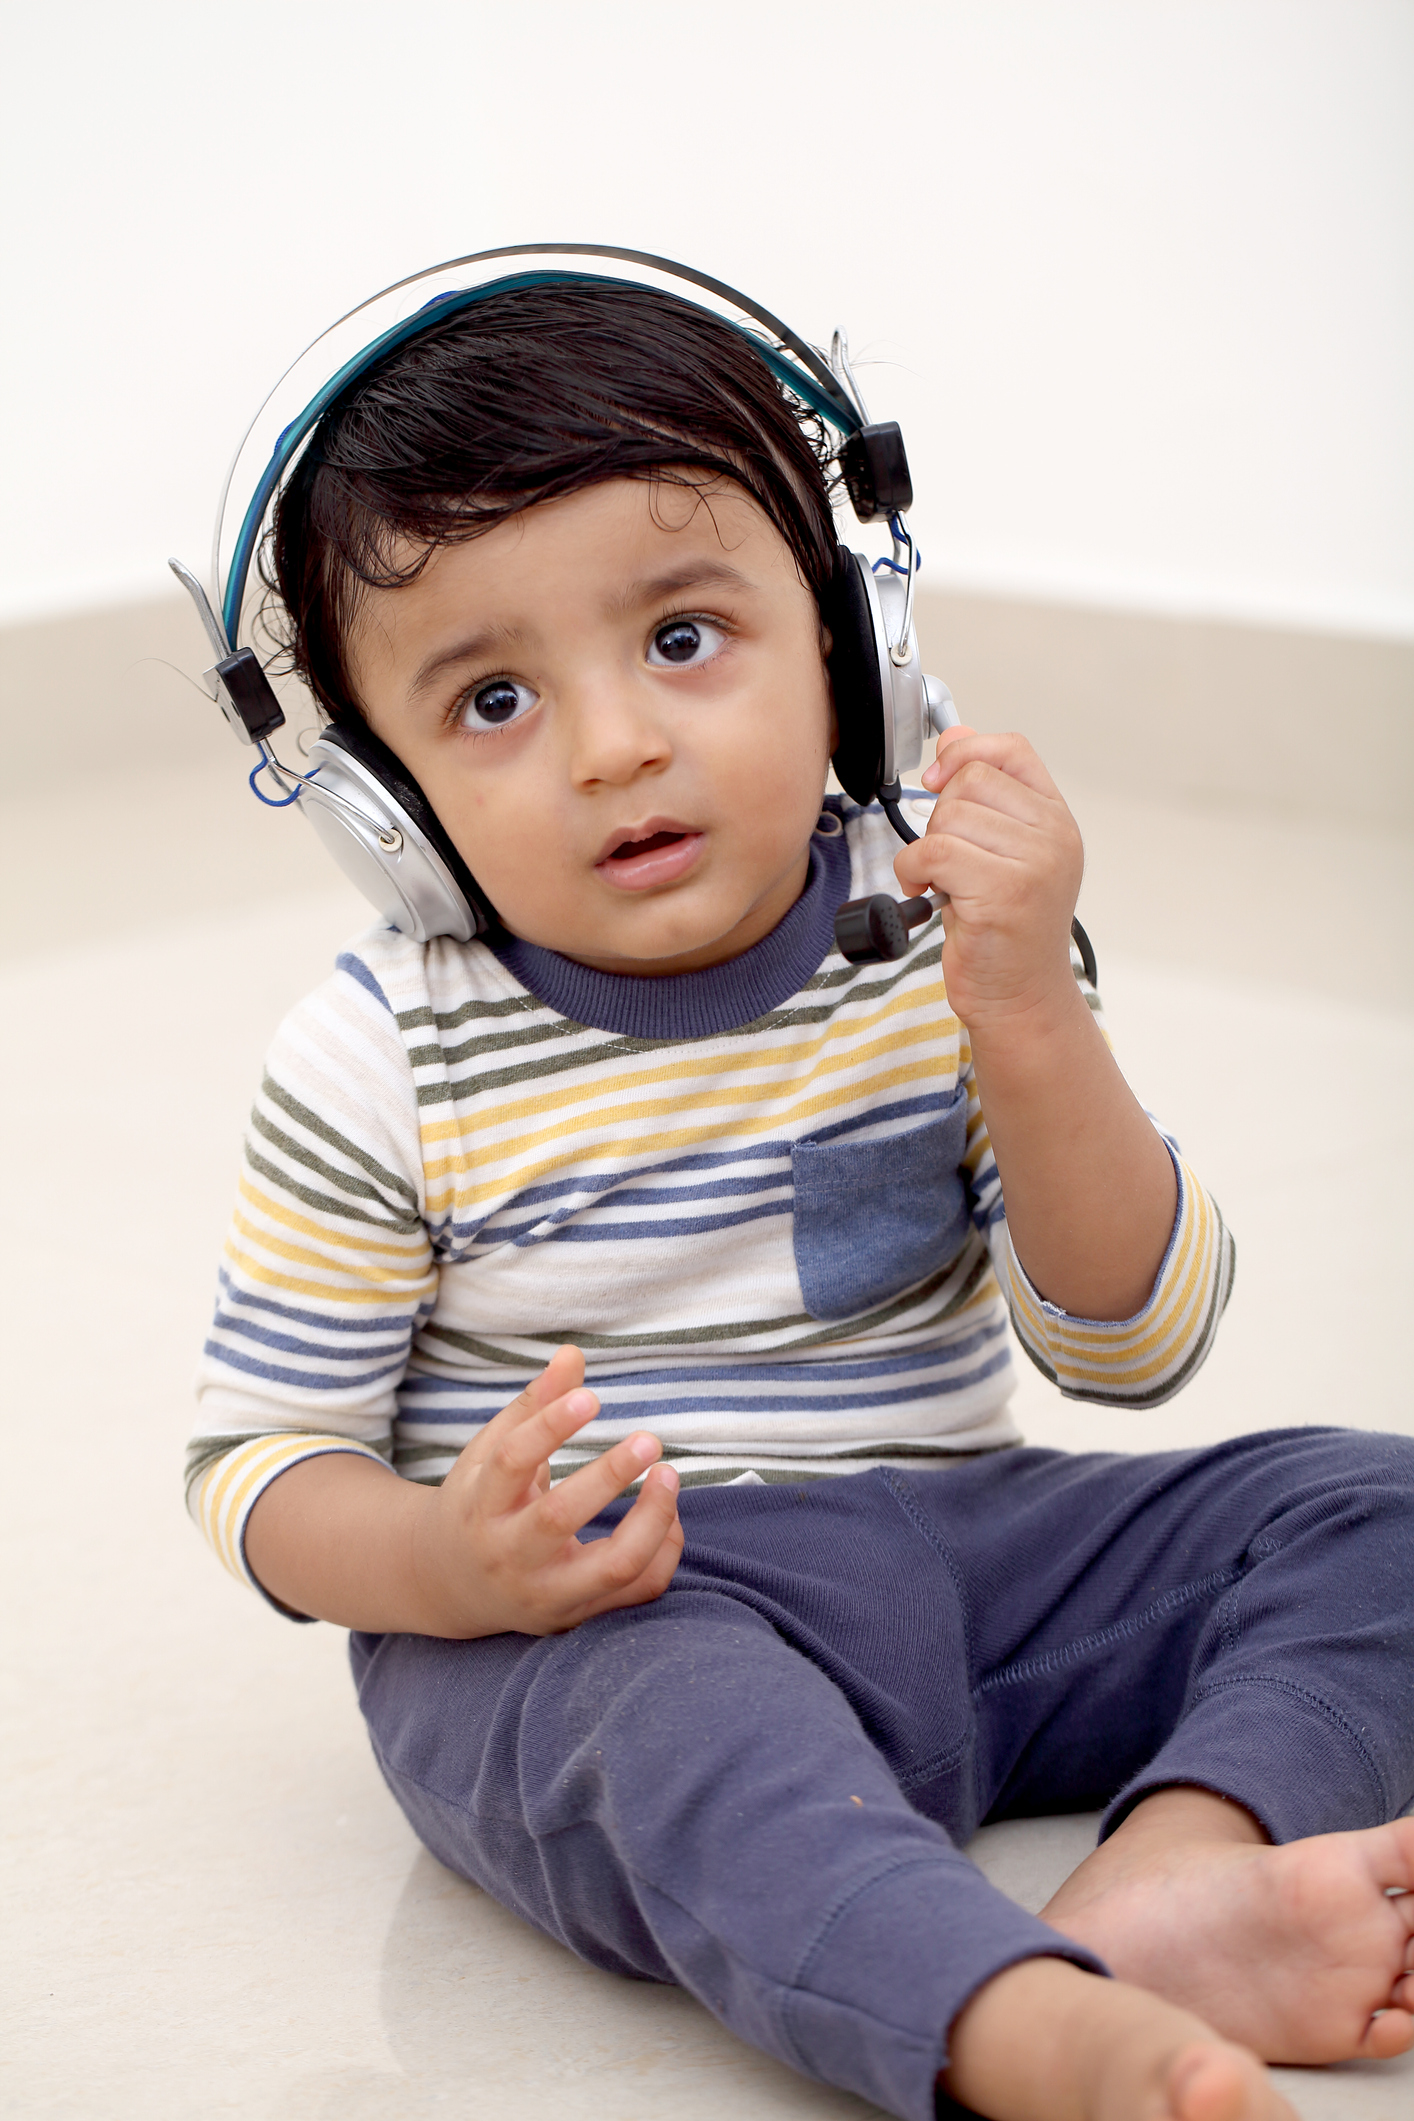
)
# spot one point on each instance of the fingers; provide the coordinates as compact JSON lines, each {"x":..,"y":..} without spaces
{"x":512,"y":1453}
{"x":561,"y":1374}
{"x":1009,"y":754}
{"x":573,"y":1502}
{"x":637,"y":1562}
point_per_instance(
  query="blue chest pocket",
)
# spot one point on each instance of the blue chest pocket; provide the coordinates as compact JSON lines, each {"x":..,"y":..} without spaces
{"x":874,"y":1217}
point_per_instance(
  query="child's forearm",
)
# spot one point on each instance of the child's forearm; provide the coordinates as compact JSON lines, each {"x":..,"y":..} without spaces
{"x":335,"y":1538}
{"x":1090,"y":1188}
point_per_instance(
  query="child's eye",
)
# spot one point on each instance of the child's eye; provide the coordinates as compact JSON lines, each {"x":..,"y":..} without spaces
{"x":492,"y":705}
{"x":682,"y":641}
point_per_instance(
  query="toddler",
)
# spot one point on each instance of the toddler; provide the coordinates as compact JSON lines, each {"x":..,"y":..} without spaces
{"x":613,"y":1327}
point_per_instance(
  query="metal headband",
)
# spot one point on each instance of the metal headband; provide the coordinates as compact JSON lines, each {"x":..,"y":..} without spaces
{"x":799,"y":367}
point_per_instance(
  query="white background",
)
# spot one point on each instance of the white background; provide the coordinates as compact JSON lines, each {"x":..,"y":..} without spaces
{"x":1136,"y":275}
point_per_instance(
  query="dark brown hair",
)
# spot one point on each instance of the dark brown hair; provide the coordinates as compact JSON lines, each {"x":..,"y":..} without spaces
{"x":530,"y":394}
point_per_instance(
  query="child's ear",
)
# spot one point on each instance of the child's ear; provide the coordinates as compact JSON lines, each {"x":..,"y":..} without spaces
{"x":827,"y":642}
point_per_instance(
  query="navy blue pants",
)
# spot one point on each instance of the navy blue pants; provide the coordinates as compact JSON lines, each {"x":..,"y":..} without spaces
{"x":757,"y":1786}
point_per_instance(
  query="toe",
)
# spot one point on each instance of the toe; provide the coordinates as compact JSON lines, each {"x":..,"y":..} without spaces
{"x":1403,"y":1995}
{"x":1389,"y":2033}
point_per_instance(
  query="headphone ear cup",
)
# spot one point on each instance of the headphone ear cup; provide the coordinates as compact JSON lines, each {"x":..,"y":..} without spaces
{"x":854,"y":667}
{"x":384,"y":834}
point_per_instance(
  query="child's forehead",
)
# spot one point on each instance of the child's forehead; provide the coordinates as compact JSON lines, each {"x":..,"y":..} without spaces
{"x":612,"y":532}
{"x":607,"y":551}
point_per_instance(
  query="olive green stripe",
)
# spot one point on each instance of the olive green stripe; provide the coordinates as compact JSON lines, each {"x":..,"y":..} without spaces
{"x":322,"y":1131}
{"x":425,"y":1019}
{"x":496,"y":1042}
{"x":351,"y":1189}
{"x":325,"y":1204}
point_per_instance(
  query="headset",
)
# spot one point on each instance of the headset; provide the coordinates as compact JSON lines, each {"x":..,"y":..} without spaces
{"x":366,"y":807}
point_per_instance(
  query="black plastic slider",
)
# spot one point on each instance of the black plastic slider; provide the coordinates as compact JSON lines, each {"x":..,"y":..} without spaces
{"x":250,"y":693}
{"x":870,"y":928}
{"x":875,"y":466}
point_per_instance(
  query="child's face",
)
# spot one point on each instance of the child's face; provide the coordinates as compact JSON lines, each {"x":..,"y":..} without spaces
{"x":618,"y":706}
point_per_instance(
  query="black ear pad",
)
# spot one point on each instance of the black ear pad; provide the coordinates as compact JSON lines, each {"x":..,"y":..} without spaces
{"x":854,"y":676}
{"x":349,"y":732}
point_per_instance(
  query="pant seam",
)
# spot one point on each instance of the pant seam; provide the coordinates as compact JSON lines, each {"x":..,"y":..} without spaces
{"x":1311,"y":1700}
{"x":1082,"y":1645}
{"x":903,"y":1496}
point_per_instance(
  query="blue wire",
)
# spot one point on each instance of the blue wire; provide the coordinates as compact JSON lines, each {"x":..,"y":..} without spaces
{"x":897,"y":567}
{"x":274,"y":802}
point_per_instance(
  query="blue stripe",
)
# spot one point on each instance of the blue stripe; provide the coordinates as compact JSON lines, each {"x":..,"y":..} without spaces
{"x":506,"y":1226}
{"x":288,"y":1344}
{"x":679,"y":1226}
{"x":357,"y":970}
{"x":308,"y":1381}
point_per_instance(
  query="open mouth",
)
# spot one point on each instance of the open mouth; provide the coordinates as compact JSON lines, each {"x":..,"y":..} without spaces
{"x":658,"y":853}
{"x":632,"y":848}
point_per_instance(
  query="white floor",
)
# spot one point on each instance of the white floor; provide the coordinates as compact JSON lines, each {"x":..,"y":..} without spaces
{"x":214,"y":1907}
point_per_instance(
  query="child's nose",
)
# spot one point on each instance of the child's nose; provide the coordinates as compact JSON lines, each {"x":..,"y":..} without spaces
{"x":615,"y":735}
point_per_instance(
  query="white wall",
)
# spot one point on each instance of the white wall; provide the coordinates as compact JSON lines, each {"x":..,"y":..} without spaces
{"x":1137,"y":275}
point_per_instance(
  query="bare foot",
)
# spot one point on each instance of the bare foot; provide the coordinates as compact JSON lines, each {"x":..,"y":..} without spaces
{"x":1299,"y":1952}
{"x":1043,"y":2041}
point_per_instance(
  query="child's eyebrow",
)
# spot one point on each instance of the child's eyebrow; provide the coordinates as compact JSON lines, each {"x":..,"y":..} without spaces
{"x":473,"y":647}
{"x":697,"y":574}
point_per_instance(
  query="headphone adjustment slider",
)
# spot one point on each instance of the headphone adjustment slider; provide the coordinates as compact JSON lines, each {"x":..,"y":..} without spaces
{"x":246,"y":696}
{"x":875,"y":466}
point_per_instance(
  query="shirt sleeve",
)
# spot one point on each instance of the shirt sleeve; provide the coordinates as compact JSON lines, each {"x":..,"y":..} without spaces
{"x":327,"y":1269}
{"x":1139,"y":1361}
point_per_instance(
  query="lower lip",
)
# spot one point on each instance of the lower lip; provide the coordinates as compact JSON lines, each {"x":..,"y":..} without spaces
{"x":660,"y":865}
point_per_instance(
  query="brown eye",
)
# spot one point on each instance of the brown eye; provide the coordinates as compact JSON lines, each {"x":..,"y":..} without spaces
{"x":683,"y":641}
{"x":498,"y":701}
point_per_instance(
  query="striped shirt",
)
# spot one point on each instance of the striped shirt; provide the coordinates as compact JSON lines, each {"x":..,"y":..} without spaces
{"x":761,"y":1198}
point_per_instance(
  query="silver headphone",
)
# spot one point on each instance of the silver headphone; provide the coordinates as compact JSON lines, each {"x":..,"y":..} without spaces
{"x":369,"y":812}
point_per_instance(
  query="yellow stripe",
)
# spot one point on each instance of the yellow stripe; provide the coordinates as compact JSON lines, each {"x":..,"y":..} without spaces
{"x":1169,"y":1301}
{"x":327,"y":1235}
{"x":305,"y":1256}
{"x":1159,"y":1322}
{"x":328,"y":1291}
{"x":229,"y":1491}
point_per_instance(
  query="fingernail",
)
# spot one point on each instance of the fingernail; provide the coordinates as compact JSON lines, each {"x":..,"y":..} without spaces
{"x":668,"y":1478}
{"x":580,"y":1403}
{"x":642,"y":1449}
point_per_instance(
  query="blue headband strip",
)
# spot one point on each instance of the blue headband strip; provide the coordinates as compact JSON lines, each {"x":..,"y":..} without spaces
{"x":795,"y":377}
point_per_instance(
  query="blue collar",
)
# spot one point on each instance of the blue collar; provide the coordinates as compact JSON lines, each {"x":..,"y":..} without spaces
{"x":674,"y":1005}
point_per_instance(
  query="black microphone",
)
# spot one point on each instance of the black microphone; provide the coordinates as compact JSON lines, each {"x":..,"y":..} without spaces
{"x":870,"y":928}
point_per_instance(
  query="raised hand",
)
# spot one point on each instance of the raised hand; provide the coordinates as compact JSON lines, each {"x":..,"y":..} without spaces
{"x":1007,"y":852}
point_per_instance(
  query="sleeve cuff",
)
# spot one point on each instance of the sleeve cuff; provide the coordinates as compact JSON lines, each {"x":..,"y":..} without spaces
{"x":1143,"y":1360}
{"x":230,"y":1489}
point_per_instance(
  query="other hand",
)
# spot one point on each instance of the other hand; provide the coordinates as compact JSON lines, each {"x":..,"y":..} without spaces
{"x":496,"y":1550}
